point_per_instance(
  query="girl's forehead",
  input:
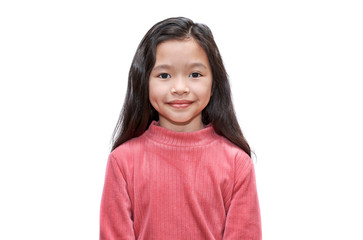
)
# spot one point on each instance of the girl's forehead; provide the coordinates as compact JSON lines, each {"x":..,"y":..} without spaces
{"x":177,"y":48}
{"x":177,"y":44}
{"x":180,"y":52}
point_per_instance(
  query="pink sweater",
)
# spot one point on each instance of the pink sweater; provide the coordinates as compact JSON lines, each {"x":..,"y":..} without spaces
{"x":172,"y":185}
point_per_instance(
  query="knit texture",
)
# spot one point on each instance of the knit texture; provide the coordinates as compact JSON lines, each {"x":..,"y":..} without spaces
{"x":174,"y":185}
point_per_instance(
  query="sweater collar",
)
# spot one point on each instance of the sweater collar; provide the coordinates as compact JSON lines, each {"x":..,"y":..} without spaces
{"x":169,"y":137}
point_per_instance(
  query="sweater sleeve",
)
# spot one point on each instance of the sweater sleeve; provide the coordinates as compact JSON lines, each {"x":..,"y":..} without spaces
{"x":243,"y":217}
{"x":116,"y":220}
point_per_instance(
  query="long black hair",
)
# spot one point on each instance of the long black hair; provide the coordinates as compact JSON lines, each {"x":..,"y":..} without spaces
{"x":137,"y":112}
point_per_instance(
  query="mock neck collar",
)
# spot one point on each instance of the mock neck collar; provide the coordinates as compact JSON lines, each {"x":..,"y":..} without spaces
{"x":169,"y":137}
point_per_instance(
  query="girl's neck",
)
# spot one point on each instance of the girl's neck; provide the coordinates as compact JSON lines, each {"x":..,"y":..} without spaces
{"x":180,"y":139}
{"x":191,"y":126}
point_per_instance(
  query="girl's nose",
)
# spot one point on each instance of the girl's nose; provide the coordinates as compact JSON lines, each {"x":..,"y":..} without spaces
{"x":180,"y":87}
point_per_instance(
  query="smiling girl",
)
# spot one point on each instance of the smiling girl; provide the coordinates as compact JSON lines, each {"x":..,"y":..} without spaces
{"x":180,"y":84}
{"x":180,"y":167}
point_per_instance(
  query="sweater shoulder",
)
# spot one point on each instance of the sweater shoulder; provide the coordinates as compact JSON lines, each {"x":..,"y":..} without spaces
{"x":232,"y":148}
{"x":124,"y":154}
{"x":127,"y":147}
{"x":240,"y":160}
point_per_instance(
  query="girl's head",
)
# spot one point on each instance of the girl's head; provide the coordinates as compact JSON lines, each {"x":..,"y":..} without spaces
{"x":139,"y":108}
{"x":180,"y":84}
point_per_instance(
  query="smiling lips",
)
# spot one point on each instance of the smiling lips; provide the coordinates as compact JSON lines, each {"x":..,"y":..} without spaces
{"x":180,"y":103}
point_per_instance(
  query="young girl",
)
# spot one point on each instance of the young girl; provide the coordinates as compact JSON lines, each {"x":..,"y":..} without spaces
{"x":180,"y":167}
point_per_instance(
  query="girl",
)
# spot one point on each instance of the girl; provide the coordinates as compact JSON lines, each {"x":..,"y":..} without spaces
{"x":180,"y":167}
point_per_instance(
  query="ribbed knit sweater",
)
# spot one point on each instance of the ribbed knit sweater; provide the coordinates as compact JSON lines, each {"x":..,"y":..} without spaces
{"x":179,"y":185}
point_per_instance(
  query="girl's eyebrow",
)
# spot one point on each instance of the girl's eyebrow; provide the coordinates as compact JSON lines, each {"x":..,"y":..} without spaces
{"x":197,"y":64}
{"x":160,"y":67}
{"x":166,"y":66}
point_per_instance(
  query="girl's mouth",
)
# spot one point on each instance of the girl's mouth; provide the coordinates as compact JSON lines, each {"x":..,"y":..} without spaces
{"x":180,"y":103}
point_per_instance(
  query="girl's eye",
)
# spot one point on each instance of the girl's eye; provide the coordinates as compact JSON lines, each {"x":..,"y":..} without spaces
{"x":195,"y":75}
{"x":164,"y":75}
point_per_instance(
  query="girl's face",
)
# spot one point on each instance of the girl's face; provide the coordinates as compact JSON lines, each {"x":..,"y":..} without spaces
{"x":180,"y":84}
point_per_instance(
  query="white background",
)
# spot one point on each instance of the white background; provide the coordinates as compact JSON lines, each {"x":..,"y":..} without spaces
{"x":296,"y":70}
